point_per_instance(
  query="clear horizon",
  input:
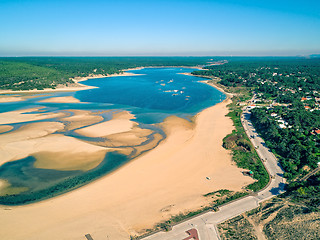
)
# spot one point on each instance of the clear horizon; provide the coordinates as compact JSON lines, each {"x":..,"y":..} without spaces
{"x":159,"y":28}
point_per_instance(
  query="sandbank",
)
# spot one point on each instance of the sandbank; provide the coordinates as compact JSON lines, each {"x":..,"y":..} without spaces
{"x":124,"y":74}
{"x":77,"y":86}
{"x":5,"y":128}
{"x":52,"y":151}
{"x":172,"y":176}
{"x":74,"y":87}
{"x":27,"y":115}
{"x":135,"y":136}
{"x":118,"y":124}
{"x":68,"y":99}
{"x":107,"y":128}
{"x":81,"y":118}
{"x":5,"y":188}
{"x":11,"y":99}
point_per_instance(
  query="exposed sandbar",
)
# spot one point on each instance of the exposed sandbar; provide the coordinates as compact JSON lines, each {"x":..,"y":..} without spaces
{"x":81,"y":118}
{"x":172,"y":176}
{"x":5,"y":128}
{"x":68,"y":99}
{"x":74,"y":87}
{"x":134,"y":137}
{"x":107,"y":128}
{"x":26,"y":115}
{"x":120,"y":123}
{"x":11,"y":99}
{"x":52,"y":151}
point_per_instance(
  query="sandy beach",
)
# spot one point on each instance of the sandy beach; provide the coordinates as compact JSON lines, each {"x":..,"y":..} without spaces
{"x":172,"y":176}
{"x":209,"y":83}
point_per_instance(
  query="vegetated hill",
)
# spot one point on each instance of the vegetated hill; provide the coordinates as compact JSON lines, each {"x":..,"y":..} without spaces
{"x":24,"y":76}
{"x":25,"y":73}
{"x":293,"y":215}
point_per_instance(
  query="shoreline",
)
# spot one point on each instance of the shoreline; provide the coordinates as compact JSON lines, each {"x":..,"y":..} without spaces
{"x":134,"y":197}
{"x":80,"y":87}
{"x":77,"y":80}
{"x":137,"y":192}
{"x":230,"y":95}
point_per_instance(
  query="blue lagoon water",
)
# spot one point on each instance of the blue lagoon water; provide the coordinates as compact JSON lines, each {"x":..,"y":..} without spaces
{"x":157,"y":93}
{"x":152,"y":96}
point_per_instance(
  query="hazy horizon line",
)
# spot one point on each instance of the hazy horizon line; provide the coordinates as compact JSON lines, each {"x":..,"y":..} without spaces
{"x":298,"y":55}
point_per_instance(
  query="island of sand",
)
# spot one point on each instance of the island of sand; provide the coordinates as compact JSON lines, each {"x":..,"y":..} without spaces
{"x":174,"y":175}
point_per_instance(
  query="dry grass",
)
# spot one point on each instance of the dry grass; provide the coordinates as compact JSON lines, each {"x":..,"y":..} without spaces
{"x":237,"y":228}
{"x":276,"y":219}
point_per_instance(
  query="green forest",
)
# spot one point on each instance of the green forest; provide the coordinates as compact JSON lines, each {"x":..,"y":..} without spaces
{"x":287,"y":112}
{"x":27,"y":73}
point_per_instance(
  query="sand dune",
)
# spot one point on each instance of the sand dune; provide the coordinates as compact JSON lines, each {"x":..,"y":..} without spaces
{"x":172,"y":176}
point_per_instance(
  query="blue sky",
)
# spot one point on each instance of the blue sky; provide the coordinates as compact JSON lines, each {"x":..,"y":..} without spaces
{"x":160,"y":28}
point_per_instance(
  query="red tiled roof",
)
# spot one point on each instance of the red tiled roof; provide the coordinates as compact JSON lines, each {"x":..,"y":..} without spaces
{"x":193,"y":234}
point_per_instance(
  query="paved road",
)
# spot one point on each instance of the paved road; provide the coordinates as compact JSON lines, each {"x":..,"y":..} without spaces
{"x":206,"y":224}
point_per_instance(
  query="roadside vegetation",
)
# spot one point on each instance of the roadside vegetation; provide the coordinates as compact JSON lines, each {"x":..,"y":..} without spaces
{"x":286,"y":113}
{"x":217,"y":199}
{"x":243,"y":152}
{"x":287,"y":109}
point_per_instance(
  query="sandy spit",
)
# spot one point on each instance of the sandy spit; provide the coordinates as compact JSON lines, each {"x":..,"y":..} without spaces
{"x":68,"y":99}
{"x":11,"y":99}
{"x":75,"y":87}
{"x":52,"y":151}
{"x":172,"y":176}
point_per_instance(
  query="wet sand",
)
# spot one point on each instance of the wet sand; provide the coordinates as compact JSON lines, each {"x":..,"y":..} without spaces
{"x":52,"y":151}
{"x":172,"y":176}
{"x":27,"y":115}
{"x":68,"y":99}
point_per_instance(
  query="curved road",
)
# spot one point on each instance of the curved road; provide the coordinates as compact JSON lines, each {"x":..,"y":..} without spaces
{"x":206,"y":224}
